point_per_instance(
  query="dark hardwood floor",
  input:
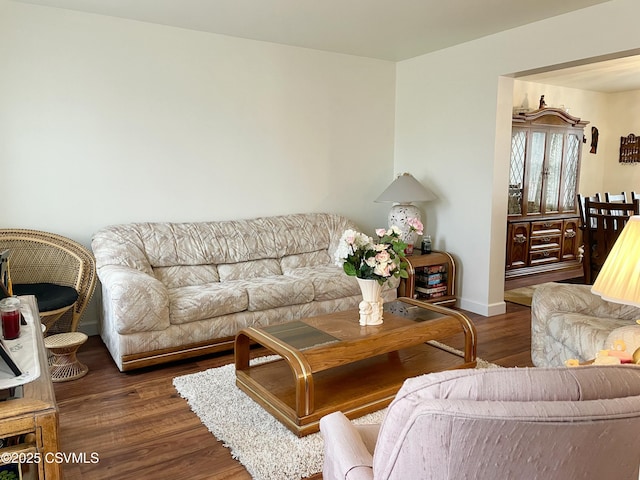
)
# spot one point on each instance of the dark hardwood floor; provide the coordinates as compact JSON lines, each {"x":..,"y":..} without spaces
{"x":141,"y":428}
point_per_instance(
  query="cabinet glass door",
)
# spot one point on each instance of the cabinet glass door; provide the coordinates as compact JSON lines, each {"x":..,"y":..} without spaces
{"x":570,"y":178}
{"x":536,"y":170}
{"x":552,"y":173}
{"x":516,"y":171}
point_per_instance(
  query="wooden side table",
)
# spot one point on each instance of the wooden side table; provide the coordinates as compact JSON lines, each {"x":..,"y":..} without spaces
{"x":432,"y":278}
{"x":29,"y":422}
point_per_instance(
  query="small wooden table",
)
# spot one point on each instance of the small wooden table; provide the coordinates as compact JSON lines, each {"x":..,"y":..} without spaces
{"x":30,"y":420}
{"x":330,"y":363}
{"x":432,"y":278}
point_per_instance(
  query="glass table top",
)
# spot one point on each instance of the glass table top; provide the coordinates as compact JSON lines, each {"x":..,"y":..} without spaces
{"x":300,"y":335}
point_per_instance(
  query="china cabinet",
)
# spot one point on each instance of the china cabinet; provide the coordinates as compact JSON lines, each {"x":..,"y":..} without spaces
{"x":543,"y":232}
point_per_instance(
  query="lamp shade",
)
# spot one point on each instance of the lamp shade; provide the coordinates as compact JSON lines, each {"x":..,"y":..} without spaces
{"x":405,"y":189}
{"x":619,"y":278}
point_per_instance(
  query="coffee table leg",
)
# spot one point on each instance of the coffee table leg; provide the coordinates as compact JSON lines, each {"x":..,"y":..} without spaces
{"x":303,"y":378}
{"x":468,"y":328}
{"x":241,"y":351}
{"x":300,"y":368}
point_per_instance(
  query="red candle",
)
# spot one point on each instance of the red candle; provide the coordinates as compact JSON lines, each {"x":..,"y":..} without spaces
{"x":10,"y":312}
{"x":11,"y":325}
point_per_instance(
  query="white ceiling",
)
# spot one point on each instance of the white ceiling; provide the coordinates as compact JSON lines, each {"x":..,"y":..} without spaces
{"x":609,"y":76}
{"x":385,"y":29}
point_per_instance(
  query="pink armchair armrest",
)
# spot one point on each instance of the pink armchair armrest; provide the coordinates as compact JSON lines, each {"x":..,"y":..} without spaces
{"x":348,"y":448}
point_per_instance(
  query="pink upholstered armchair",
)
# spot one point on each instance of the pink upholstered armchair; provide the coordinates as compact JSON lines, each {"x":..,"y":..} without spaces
{"x":505,"y":423}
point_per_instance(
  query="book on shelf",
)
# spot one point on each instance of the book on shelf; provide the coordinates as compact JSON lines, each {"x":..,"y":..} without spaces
{"x":435,"y":269}
{"x":432,"y":290}
{"x":437,"y":294}
{"x":431,"y":281}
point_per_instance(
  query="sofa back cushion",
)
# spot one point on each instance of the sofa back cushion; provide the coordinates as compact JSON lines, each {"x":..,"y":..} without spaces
{"x":301,"y":260}
{"x":217,"y":248}
{"x":183,"y":275}
{"x":513,"y":423}
{"x":267,"y":267}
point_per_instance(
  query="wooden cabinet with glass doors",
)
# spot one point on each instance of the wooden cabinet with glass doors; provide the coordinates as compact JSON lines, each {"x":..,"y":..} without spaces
{"x":543,"y":219}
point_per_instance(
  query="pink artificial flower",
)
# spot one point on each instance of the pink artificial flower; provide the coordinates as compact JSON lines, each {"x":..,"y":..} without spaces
{"x":383,"y":256}
{"x":382,"y":270}
{"x":415,"y":225}
{"x":380,"y":232}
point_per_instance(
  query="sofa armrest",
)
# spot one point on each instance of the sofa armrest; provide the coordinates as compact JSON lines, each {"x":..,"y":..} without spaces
{"x":557,"y":308}
{"x":133,"y":301}
{"x":560,"y":297}
{"x":346,"y":456}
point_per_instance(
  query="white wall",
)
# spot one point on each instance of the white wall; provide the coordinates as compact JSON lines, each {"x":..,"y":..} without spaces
{"x":453,"y":115}
{"x":624,"y":119}
{"x":146,"y":122}
{"x":105,"y":120}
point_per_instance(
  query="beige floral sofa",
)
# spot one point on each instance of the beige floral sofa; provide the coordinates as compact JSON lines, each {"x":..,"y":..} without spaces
{"x":568,"y":321}
{"x":176,"y":290}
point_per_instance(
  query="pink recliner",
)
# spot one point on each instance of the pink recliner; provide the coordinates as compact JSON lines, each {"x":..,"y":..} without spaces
{"x":503,"y":423}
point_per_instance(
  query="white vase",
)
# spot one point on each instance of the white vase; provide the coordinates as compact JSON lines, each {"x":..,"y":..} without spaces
{"x":371,"y":305}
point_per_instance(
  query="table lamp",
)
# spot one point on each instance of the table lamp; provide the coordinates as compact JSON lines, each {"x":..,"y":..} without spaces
{"x":619,"y":278}
{"x":404,"y":190}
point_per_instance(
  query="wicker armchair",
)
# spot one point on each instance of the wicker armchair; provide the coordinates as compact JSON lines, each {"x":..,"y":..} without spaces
{"x":40,"y":258}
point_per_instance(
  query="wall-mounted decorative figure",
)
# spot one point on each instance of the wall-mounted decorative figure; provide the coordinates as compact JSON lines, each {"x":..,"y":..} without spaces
{"x":594,"y":140}
{"x":630,"y":149}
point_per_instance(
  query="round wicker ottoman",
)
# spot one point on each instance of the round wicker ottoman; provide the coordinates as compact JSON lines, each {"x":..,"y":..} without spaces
{"x":63,"y":363}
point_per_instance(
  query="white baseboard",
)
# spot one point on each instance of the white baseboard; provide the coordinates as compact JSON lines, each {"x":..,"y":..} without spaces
{"x":486,"y":310}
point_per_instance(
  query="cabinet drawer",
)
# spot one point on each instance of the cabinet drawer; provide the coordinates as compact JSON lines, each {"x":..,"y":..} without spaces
{"x":544,"y":256}
{"x":546,"y":228}
{"x":546,"y":242}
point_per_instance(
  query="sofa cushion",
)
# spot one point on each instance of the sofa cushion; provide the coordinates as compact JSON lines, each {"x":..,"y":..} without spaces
{"x":184,"y":275}
{"x":142,"y":245}
{"x":309,"y":259}
{"x":582,"y":333}
{"x":629,"y":334}
{"x":568,"y":321}
{"x":278,"y":291}
{"x":439,"y":420}
{"x":48,"y":295}
{"x":329,"y":281}
{"x":248,"y":270}
{"x":198,"y":302}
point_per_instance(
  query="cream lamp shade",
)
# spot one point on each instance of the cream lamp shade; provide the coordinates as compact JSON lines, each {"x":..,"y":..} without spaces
{"x":404,"y":190}
{"x":619,"y":278}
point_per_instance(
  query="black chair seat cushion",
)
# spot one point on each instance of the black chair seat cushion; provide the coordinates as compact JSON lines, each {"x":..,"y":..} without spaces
{"x":49,"y":295}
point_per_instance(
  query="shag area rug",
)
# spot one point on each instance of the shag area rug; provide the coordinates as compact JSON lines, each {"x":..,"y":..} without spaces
{"x":266,"y":448}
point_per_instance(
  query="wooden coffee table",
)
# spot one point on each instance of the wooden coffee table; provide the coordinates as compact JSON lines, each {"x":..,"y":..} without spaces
{"x":330,"y":363}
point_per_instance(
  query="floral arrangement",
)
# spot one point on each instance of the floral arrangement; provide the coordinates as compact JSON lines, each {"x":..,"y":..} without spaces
{"x":361,"y":257}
